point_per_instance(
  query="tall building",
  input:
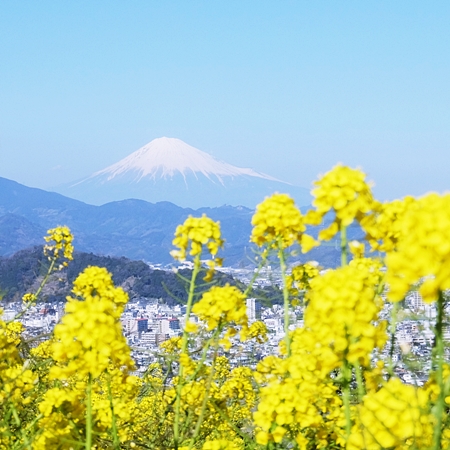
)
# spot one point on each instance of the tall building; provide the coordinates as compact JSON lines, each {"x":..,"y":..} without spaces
{"x":253,"y":309}
{"x":415,"y":302}
{"x":142,"y":325}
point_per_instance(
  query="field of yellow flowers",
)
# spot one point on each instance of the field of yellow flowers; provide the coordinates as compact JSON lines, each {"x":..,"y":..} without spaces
{"x":326,"y":388}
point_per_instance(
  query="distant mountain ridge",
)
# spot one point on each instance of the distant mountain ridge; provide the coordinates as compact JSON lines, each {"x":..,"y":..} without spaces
{"x":132,"y":228}
{"x":168,"y":169}
{"x":135,"y":229}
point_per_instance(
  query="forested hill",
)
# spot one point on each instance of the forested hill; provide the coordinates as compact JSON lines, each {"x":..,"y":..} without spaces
{"x":23,"y":271}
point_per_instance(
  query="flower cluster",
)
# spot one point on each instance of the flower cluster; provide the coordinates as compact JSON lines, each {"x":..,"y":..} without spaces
{"x":116,"y":401}
{"x":29,"y":298}
{"x":89,"y":338}
{"x":384,"y":225}
{"x":301,"y":276}
{"x":299,"y":402}
{"x":60,"y":244}
{"x":391,"y":417}
{"x":423,"y":252}
{"x":9,"y":341}
{"x":343,"y":311}
{"x":331,"y":384}
{"x":194,"y":235}
{"x":59,"y":409}
{"x":220,"y":444}
{"x":17,"y":382}
{"x":257,"y":330}
{"x":345,"y":192}
{"x":222,"y":305}
{"x":278,"y":222}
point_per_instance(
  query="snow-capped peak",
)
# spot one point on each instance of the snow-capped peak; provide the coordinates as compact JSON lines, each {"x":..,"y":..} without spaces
{"x":170,"y":170}
{"x":164,"y":157}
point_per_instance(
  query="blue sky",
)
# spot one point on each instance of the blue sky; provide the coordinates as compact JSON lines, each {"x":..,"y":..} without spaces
{"x":288,"y":88}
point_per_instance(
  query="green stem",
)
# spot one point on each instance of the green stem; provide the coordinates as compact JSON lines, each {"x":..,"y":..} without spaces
{"x":346,"y":372}
{"x":199,"y":367}
{"x":439,"y":364}
{"x":250,"y":443}
{"x":41,"y":286}
{"x":283,"y":267}
{"x":116,"y":442}
{"x":344,"y":247}
{"x":392,"y":330}
{"x":208,"y":388}
{"x":381,"y":284}
{"x":27,"y":441}
{"x":202,"y":359}
{"x":359,"y":381}
{"x":184,"y":344}
{"x":190,"y":301}
{"x":88,"y":445}
{"x":255,"y":275}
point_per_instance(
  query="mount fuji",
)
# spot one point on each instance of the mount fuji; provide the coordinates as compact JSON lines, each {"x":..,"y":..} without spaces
{"x":168,"y":169}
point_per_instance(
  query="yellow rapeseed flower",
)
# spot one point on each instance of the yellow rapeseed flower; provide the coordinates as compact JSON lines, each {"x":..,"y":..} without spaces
{"x":277,"y":221}
{"x":384,"y":225}
{"x":60,"y":244}
{"x":300,"y":277}
{"x":29,"y":298}
{"x":89,"y":338}
{"x":343,"y":312}
{"x":423,"y":251}
{"x":298,"y":394}
{"x":396,"y":416}
{"x":220,"y":444}
{"x":343,"y":191}
{"x":222,"y":304}
{"x":195,"y":235}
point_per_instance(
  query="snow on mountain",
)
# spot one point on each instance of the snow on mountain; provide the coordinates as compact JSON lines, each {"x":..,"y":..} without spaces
{"x":168,"y":169}
{"x":165,"y":157}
